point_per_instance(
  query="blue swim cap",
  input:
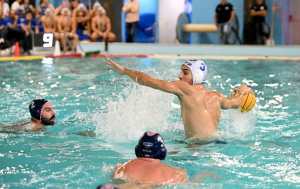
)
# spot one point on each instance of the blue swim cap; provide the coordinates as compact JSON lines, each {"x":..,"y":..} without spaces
{"x":35,"y":108}
{"x":151,"y":145}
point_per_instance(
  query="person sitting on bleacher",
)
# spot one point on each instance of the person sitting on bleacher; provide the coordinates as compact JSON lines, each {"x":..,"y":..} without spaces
{"x":49,"y":23}
{"x":101,"y":26}
{"x":30,"y":26}
{"x":74,"y":6}
{"x":29,"y":7}
{"x":65,"y":29}
{"x":44,"y":5}
{"x":8,"y":35}
{"x":81,"y":23}
{"x":18,"y":7}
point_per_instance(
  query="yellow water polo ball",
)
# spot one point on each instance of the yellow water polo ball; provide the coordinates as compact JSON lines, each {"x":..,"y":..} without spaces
{"x":248,"y":102}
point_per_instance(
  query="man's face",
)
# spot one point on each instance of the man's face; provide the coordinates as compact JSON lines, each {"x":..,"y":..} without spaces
{"x":29,"y":16}
{"x":186,"y":74}
{"x":48,"y":115}
{"x":259,"y":1}
{"x":74,"y":3}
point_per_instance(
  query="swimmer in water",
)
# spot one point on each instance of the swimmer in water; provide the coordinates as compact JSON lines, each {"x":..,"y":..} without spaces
{"x":147,"y":169}
{"x":200,"y":108}
{"x":42,"y":114}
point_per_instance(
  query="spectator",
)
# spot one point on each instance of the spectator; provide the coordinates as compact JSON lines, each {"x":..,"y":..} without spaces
{"x":29,"y":26}
{"x":132,"y":17}
{"x":64,"y":4}
{"x":101,"y":26}
{"x":4,"y":9}
{"x":44,"y":5}
{"x":259,"y":12}
{"x":81,"y":23}
{"x":65,"y":29}
{"x":17,"y":9}
{"x":147,"y":168}
{"x":74,"y":6}
{"x":9,"y":35}
{"x":49,"y":23}
{"x":224,"y":14}
{"x":29,"y":7}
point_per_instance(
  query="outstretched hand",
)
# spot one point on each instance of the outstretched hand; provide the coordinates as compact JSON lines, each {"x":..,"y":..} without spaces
{"x":115,"y":66}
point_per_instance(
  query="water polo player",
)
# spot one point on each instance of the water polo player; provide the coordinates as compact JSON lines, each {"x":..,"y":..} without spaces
{"x":200,"y":108}
{"x":147,"y":168}
{"x":42,"y":113}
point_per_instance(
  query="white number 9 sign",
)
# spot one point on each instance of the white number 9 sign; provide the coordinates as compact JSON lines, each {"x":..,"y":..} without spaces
{"x":48,"y":40}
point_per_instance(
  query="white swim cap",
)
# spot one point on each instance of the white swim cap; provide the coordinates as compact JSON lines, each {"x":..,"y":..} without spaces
{"x":198,"y":69}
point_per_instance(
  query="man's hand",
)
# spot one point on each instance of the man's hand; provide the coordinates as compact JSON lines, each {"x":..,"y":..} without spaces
{"x":241,"y":90}
{"x":115,"y":66}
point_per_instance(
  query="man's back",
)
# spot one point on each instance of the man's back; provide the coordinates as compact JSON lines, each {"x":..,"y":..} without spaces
{"x":149,"y":171}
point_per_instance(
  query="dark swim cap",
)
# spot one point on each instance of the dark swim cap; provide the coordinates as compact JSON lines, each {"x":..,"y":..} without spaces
{"x":35,"y":108}
{"x":151,"y":145}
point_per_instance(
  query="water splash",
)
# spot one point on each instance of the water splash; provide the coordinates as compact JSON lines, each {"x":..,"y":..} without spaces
{"x":238,"y":125}
{"x":128,"y":118}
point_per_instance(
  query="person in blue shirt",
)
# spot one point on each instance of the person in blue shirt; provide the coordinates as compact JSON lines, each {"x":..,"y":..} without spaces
{"x":29,"y":26}
{"x":8,"y":34}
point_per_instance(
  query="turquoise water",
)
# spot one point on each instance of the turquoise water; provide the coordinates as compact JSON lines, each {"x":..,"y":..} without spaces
{"x":262,"y":150}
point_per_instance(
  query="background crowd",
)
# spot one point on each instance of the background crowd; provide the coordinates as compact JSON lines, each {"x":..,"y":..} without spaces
{"x":71,"y":21}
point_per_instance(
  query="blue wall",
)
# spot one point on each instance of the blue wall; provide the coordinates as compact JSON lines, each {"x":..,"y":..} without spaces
{"x":203,"y":13}
{"x":278,"y":34}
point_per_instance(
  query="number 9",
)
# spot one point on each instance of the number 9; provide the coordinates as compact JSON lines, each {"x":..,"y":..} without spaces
{"x":48,"y":40}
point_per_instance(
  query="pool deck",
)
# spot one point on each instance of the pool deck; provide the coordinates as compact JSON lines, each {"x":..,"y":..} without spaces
{"x":217,"y":52}
{"x":169,"y":51}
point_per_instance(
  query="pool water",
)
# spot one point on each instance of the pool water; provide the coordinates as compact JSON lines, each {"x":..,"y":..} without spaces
{"x":262,"y":150}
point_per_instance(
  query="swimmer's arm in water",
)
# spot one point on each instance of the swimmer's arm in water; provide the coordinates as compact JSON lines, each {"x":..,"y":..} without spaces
{"x":177,"y":87}
{"x":17,"y":128}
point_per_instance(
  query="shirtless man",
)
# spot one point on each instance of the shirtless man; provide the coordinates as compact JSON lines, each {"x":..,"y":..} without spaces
{"x":49,"y":23}
{"x":81,"y":23}
{"x":101,"y":26}
{"x":66,"y":31}
{"x":200,"y":108}
{"x":147,"y":169}
{"x":42,"y":113}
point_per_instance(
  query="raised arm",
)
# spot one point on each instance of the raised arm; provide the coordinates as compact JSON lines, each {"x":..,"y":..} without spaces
{"x":146,"y":80}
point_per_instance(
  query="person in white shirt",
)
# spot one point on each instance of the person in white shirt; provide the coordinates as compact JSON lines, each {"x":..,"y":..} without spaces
{"x":132,"y":18}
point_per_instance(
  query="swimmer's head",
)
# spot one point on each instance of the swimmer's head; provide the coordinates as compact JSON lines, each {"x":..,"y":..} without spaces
{"x":193,"y":71}
{"x":107,"y":186}
{"x":151,"y":145}
{"x":42,"y":110}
